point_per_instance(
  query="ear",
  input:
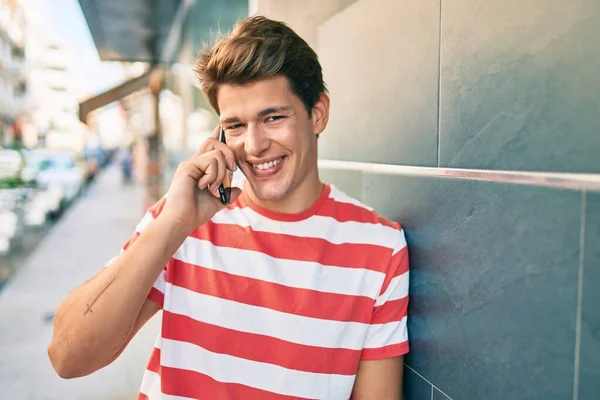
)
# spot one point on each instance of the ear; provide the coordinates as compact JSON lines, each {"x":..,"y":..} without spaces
{"x":320,"y":113}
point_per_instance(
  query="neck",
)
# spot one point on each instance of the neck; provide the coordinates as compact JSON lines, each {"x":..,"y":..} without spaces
{"x":301,"y":197}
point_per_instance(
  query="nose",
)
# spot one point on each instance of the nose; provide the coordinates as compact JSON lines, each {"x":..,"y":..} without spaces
{"x":255,"y":141}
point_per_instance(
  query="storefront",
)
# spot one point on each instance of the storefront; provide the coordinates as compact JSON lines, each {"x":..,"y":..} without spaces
{"x":165,"y":34}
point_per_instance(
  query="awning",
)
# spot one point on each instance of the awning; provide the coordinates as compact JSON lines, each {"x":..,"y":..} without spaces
{"x":130,"y":30}
{"x":147,"y":80}
{"x":151,"y":31}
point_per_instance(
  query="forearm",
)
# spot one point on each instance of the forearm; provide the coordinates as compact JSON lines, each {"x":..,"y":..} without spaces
{"x":94,"y":322}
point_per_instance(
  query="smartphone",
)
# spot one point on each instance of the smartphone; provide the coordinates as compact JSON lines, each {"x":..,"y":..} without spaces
{"x":225,"y":187}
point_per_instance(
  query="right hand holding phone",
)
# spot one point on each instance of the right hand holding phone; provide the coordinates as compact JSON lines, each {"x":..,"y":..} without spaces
{"x":193,"y":197}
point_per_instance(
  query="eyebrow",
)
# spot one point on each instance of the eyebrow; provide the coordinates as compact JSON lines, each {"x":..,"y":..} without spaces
{"x":261,"y":114}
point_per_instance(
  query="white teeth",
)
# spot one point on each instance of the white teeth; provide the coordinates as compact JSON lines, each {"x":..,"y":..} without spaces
{"x":268,"y":165}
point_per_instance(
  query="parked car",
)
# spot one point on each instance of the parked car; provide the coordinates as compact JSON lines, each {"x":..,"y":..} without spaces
{"x":11,"y":218}
{"x":11,"y":164}
{"x":41,"y":206}
{"x":56,"y":172}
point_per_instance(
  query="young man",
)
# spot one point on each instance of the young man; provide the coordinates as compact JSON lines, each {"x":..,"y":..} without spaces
{"x":293,"y":290}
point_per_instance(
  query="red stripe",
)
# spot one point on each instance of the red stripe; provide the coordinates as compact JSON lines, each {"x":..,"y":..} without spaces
{"x":400,"y":261}
{"x":393,"y":350}
{"x":391,"y":311}
{"x":347,"y":212}
{"x":306,"y":302}
{"x":142,"y":396}
{"x":154,"y":362}
{"x":398,"y":266}
{"x":244,"y":200}
{"x":260,"y":348}
{"x":130,"y":241}
{"x":180,"y":382}
{"x":157,"y":297}
{"x":277,"y":245}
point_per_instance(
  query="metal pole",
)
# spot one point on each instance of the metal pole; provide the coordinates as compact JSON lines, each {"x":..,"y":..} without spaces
{"x":154,"y":170}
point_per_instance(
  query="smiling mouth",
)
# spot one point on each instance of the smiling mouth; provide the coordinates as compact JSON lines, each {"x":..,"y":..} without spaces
{"x":267,"y":165}
{"x":268,"y":169}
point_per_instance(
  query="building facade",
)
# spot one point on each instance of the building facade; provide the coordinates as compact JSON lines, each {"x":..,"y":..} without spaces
{"x":55,"y":88}
{"x":13,"y":71}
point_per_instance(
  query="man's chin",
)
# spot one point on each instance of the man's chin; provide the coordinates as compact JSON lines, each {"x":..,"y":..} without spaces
{"x":269,"y":191}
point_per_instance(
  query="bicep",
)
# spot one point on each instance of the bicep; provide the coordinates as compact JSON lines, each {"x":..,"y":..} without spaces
{"x":148,"y":310}
{"x":379,"y":379}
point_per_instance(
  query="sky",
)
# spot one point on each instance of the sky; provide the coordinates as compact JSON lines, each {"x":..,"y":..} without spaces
{"x":66,"y":19}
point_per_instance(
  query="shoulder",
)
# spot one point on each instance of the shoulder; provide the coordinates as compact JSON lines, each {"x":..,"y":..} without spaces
{"x":358,"y":216}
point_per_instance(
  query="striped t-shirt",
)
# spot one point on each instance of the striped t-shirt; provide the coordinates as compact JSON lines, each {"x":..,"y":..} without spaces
{"x":262,"y":305}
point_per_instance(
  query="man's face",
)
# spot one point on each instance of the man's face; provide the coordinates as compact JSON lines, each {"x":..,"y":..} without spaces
{"x":269,"y":130}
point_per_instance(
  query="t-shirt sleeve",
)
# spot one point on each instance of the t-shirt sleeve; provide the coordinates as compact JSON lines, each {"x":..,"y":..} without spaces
{"x":157,"y":292}
{"x":387,"y":335}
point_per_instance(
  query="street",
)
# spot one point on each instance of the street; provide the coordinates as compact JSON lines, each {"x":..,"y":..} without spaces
{"x":90,"y":233}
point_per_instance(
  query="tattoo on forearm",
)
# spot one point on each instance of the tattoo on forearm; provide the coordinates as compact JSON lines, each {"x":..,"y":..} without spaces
{"x":89,"y":306}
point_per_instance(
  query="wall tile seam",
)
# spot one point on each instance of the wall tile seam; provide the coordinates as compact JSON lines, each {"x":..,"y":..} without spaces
{"x":426,"y":380}
{"x":439,"y":88}
{"x":580,"y":273}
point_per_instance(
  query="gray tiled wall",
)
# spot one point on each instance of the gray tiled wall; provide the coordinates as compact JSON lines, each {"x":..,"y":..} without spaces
{"x":520,"y":85}
{"x":504,"y":277}
{"x":495,"y":271}
{"x":494,"y":286}
{"x":589,"y":368}
{"x":380,"y":62}
{"x":502,"y":85}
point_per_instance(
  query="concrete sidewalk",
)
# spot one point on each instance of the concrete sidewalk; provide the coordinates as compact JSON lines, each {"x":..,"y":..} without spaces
{"x":88,"y":235}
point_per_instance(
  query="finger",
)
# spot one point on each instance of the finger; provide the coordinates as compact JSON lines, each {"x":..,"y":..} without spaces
{"x":190,"y":169}
{"x":216,"y":132}
{"x":214,"y":162}
{"x":229,"y":156}
{"x":212,"y":144}
{"x":222,"y":171}
{"x":211,"y":170}
{"x":206,"y":145}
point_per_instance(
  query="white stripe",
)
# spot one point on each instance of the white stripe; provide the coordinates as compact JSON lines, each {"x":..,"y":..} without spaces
{"x":381,"y":335}
{"x":400,"y":242}
{"x":151,"y":385}
{"x":292,"y":273}
{"x":160,"y":282}
{"x":112,"y":260}
{"x":170,"y":397}
{"x":158,"y":341}
{"x":264,"y":321}
{"x":143,"y":224}
{"x":396,"y":290}
{"x":269,"y":377}
{"x":341,"y":197}
{"x":316,"y":226}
